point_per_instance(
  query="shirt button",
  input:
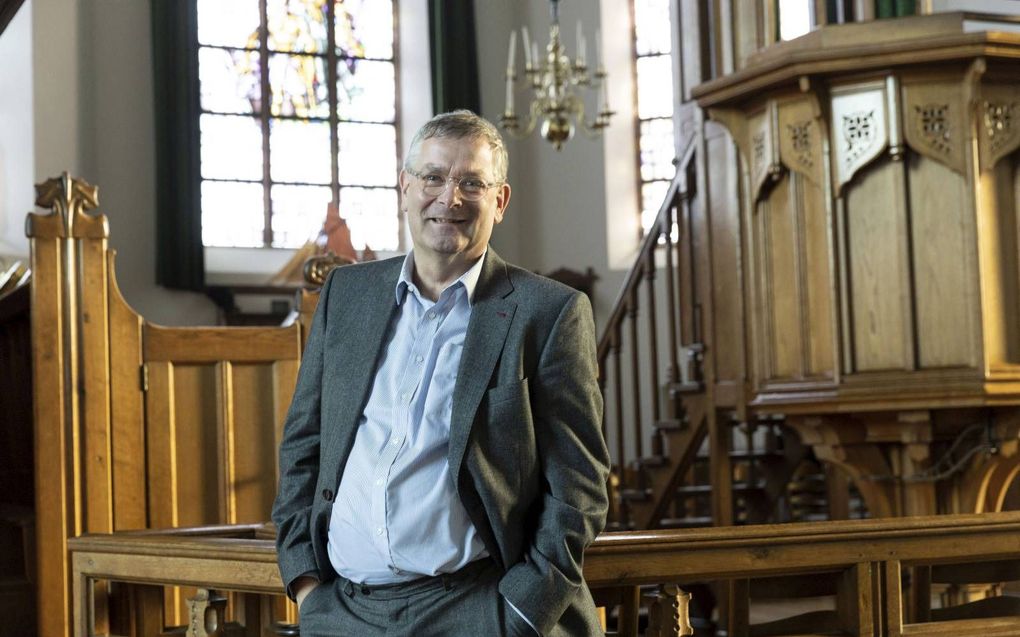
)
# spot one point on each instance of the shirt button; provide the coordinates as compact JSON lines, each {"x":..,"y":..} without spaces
{"x":379,"y":531}
{"x":419,"y":359}
{"x":379,"y":482}
{"x":394,"y":442}
{"x":430,"y":315}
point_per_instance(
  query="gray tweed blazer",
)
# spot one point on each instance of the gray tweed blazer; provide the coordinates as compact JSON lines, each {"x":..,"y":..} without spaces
{"x":525,"y":439}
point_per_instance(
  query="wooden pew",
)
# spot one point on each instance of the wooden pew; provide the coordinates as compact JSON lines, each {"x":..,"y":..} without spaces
{"x":866,"y":557}
{"x":138,"y":425}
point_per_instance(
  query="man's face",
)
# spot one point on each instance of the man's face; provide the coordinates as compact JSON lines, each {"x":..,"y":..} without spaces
{"x":446,"y":227}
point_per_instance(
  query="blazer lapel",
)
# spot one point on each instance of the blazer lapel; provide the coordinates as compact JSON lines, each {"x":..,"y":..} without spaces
{"x":352,"y":356}
{"x":491,"y":313}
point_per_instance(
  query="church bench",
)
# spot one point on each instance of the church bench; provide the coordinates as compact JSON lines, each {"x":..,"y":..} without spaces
{"x":867,"y":557}
{"x":138,"y":425}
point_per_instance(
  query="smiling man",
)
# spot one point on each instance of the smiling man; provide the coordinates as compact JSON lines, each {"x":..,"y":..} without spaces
{"x":442,"y":468}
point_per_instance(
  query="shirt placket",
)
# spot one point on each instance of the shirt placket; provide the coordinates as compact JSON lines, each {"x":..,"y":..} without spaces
{"x":423,"y":336}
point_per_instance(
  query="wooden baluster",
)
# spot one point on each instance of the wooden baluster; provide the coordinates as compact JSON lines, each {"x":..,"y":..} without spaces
{"x":671,"y":299}
{"x":668,"y":615}
{"x":208,"y":614}
{"x":653,"y":344}
{"x":630,"y":606}
{"x":683,"y":292}
{"x":618,"y":397}
{"x":635,"y":370}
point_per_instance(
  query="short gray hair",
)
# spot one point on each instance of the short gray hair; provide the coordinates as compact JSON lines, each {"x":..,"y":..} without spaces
{"x":462,"y":124}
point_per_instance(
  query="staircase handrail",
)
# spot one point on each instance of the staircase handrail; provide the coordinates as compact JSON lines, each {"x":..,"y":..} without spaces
{"x":679,"y":190}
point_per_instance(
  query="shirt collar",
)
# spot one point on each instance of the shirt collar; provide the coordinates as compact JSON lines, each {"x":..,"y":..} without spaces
{"x":469,"y":279}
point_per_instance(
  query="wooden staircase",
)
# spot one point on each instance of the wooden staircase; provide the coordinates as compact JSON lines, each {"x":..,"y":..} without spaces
{"x":650,"y":363}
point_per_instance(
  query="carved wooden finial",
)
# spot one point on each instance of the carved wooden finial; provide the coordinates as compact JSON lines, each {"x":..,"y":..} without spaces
{"x":318,"y":267}
{"x":68,"y":199}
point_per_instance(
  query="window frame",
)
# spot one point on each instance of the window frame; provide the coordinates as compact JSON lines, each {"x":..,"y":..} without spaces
{"x":638,"y":120}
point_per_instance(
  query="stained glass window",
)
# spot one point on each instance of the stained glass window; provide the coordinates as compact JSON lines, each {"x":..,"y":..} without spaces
{"x":298,"y":103}
{"x":654,"y":80}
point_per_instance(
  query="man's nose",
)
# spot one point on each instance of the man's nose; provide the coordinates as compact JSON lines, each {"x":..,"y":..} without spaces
{"x":450,"y":196}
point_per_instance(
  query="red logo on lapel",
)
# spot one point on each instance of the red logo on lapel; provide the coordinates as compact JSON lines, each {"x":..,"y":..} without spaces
{"x":502,"y":314}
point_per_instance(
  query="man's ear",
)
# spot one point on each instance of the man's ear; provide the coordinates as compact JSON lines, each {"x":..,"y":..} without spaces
{"x":405,"y":181}
{"x":502,"y":201}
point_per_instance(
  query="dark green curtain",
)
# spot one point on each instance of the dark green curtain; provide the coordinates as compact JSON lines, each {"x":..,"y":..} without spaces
{"x":454,"y":57}
{"x":895,"y":8}
{"x":180,"y":262}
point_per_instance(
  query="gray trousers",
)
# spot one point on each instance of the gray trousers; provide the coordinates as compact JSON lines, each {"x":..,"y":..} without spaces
{"x":462,"y":604}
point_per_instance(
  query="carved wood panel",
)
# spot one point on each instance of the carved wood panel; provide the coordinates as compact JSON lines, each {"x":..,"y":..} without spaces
{"x":998,"y":122}
{"x":858,"y":128}
{"x":935,"y":122}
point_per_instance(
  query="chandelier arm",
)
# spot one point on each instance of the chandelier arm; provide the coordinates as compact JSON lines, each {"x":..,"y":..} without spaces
{"x":512,"y":127}
{"x":592,"y":130}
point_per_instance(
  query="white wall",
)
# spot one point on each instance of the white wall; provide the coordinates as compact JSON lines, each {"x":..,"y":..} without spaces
{"x":557,"y":215}
{"x":16,"y":156}
{"x":117,"y":134}
{"x":92,"y":116}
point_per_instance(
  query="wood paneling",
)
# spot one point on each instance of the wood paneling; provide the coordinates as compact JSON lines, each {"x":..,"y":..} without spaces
{"x":254,"y":446}
{"x":817,"y":300}
{"x":127,"y":407}
{"x":213,"y":344}
{"x":879,"y":275}
{"x":197,"y":442}
{"x":1006,"y":246}
{"x":97,"y":440}
{"x":55,"y":516}
{"x":778,"y":219}
{"x":943,"y":262}
{"x":727,"y":299}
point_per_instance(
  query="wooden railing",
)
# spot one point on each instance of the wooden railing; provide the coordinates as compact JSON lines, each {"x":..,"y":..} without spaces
{"x":866,"y":562}
{"x":648,"y":358}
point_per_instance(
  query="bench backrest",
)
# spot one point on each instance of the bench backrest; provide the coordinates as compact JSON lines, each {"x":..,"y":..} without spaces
{"x":138,"y":425}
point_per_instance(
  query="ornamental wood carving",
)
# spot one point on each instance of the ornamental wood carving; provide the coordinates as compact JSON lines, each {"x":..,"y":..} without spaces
{"x":998,"y":129}
{"x":935,"y":123}
{"x":69,"y":199}
{"x":859,"y":130}
{"x":800,"y":138}
{"x":763,"y":149}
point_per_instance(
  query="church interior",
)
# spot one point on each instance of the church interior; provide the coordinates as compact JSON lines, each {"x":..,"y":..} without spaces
{"x":798,"y":222}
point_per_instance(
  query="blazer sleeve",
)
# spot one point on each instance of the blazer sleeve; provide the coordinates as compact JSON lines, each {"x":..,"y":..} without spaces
{"x":567,"y":408}
{"x":299,"y":456}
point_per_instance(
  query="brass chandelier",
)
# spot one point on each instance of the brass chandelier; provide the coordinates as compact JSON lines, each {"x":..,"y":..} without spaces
{"x":558,"y":83}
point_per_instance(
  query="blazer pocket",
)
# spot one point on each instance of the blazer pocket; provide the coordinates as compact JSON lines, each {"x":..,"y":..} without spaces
{"x":507,"y":392}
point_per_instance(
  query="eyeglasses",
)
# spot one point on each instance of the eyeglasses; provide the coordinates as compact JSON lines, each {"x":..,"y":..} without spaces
{"x":471,"y":188}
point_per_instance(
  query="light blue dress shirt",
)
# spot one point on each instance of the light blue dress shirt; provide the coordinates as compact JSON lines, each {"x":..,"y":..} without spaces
{"x":396,"y":516}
